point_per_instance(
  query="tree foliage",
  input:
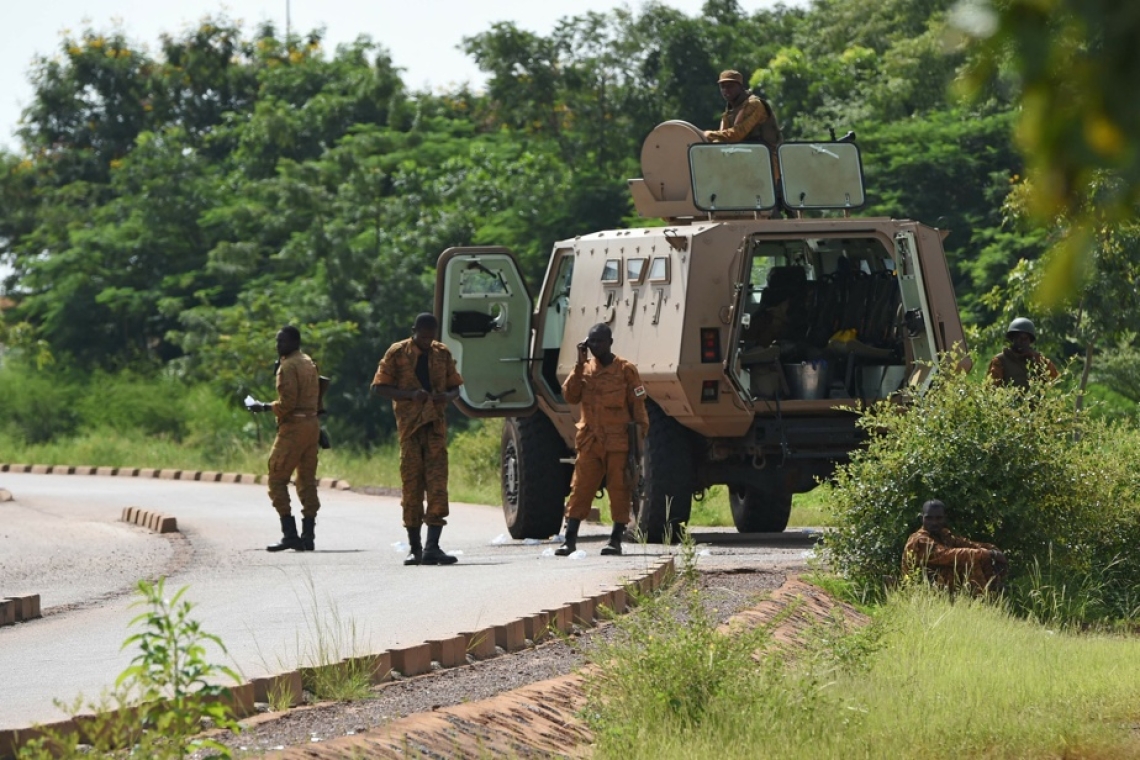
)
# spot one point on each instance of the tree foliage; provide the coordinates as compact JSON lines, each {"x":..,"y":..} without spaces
{"x":172,"y":209}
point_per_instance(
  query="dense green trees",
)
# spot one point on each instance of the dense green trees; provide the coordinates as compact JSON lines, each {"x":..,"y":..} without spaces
{"x":170,"y":210}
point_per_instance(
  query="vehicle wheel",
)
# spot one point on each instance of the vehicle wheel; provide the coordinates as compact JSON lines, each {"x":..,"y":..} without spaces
{"x":669,"y":473}
{"x":534,"y":482}
{"x":760,"y":511}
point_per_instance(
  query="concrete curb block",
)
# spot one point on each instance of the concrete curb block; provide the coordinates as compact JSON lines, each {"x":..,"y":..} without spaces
{"x":278,"y":687}
{"x":413,"y":660}
{"x":450,"y":652}
{"x":332,"y":484}
{"x":511,"y":637}
{"x":155,"y":521}
{"x":20,"y":609}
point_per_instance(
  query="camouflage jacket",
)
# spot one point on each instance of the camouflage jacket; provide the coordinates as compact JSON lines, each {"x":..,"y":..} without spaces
{"x":947,"y":559}
{"x":751,"y":120}
{"x":1009,"y":368}
{"x":398,"y":369}
{"x":611,"y":396}
{"x":298,"y":388}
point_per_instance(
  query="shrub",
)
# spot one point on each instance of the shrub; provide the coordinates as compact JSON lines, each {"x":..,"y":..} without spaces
{"x":1018,"y":469}
{"x":130,"y":403}
{"x":474,"y":455}
{"x":36,"y":405}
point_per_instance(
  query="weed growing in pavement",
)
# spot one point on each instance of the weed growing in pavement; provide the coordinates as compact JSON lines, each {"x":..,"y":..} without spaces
{"x":163,"y":701}
{"x":331,"y":662}
{"x":280,"y":696}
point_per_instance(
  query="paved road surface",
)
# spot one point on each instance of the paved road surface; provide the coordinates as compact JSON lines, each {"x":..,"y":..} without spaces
{"x":61,"y":538}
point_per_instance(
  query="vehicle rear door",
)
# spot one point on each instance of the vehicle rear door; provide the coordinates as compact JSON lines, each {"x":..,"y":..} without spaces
{"x":484,"y":313}
{"x":917,"y":317}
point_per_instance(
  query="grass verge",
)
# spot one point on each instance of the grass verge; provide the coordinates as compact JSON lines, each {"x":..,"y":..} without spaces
{"x":930,"y":678}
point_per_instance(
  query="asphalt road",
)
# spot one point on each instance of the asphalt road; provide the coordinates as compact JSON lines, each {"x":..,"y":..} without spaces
{"x":61,"y":538}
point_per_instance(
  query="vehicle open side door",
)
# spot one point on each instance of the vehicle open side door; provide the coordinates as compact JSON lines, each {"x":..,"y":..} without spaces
{"x":484,"y":313}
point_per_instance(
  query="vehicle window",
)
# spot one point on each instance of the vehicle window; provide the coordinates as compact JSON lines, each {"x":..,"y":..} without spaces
{"x":635,"y":270}
{"x":478,"y":281}
{"x":611,"y":272}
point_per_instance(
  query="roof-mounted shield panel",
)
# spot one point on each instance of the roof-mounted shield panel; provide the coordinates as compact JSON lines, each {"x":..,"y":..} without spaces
{"x":732,"y":177}
{"x":826,"y":175}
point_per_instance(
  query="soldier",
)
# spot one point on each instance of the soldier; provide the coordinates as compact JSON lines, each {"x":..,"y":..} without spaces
{"x":296,"y":445}
{"x":747,"y":117}
{"x":949,"y":561}
{"x":1011,"y":366}
{"x":419,"y":376}
{"x":611,"y":394}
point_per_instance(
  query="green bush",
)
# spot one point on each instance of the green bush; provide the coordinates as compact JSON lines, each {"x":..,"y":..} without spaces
{"x":473,"y":455}
{"x":132,"y":403}
{"x":1018,"y":469}
{"x":37,"y":406}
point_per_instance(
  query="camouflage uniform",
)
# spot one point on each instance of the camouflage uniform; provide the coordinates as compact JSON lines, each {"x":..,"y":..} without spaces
{"x":753,"y":121}
{"x":952,"y":562}
{"x":611,"y":397}
{"x":298,"y":431}
{"x":422,"y":427}
{"x":1011,"y":368}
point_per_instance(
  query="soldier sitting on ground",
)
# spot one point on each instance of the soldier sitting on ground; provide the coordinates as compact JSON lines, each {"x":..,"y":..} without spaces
{"x":949,"y":561}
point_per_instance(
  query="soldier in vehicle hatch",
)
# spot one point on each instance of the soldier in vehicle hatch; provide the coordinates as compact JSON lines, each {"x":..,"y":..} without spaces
{"x":418,"y":375}
{"x":747,"y":117}
{"x":1012,"y":365}
{"x":612,"y":396}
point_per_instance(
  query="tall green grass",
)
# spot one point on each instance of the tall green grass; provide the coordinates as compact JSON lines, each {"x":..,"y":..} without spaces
{"x":934,"y":678}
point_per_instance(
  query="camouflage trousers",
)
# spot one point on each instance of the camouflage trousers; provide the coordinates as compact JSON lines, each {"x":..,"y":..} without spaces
{"x":593,"y":464}
{"x":295,"y":450}
{"x":423,"y":470}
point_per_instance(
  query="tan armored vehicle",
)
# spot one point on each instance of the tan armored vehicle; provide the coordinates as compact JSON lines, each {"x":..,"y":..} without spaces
{"x":750,"y":330}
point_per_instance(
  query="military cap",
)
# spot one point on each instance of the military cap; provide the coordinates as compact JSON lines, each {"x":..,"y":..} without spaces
{"x":730,"y":75}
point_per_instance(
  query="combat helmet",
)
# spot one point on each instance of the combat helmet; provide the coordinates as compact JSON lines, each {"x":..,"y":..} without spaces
{"x":1022,"y":325}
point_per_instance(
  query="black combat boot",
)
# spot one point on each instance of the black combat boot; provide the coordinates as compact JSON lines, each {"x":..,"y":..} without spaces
{"x":416,"y":552}
{"x":308,"y":539}
{"x":289,"y":537}
{"x":570,"y":545}
{"x":433,"y":555}
{"x":613,"y":548}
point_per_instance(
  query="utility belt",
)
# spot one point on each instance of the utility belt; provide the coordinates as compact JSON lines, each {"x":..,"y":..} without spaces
{"x":302,"y":415}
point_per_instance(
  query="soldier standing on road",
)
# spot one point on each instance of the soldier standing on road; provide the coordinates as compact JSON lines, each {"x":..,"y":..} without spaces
{"x":418,"y":375}
{"x":296,"y":446}
{"x":949,"y":561}
{"x":611,"y":394}
{"x":1012,"y":365}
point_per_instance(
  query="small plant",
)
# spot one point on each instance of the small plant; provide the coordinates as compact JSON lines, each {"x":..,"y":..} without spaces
{"x":331,"y":668}
{"x":163,"y":701}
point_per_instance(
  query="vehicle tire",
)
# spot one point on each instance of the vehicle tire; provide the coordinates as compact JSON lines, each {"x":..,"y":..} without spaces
{"x":534,"y":483}
{"x":756,"y":510}
{"x":669,"y":473}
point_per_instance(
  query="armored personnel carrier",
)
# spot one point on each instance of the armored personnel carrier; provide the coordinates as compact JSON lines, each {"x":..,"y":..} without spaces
{"x":754,"y":333}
